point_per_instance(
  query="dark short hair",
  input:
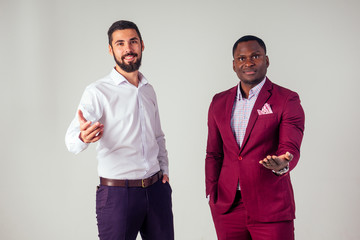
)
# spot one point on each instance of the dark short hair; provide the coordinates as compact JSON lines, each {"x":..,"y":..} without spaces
{"x":249,"y":38}
{"x":122,"y":25}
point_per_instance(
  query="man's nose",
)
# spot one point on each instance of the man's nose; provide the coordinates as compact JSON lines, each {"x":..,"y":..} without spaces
{"x":249,"y":62}
{"x":127,"y":47}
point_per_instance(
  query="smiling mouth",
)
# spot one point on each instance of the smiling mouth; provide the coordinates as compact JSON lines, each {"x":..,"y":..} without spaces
{"x":129,"y":57}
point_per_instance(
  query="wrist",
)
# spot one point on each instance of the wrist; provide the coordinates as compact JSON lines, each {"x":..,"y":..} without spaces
{"x":282,"y":171}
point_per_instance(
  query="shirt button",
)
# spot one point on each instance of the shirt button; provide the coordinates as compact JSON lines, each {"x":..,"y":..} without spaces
{"x":240,"y":157}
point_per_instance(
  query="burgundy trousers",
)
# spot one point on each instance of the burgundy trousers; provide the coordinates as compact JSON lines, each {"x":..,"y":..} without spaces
{"x":237,"y":225}
{"x":123,"y":212}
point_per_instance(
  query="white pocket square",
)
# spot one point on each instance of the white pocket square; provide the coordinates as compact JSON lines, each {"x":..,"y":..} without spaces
{"x":266,"y":109}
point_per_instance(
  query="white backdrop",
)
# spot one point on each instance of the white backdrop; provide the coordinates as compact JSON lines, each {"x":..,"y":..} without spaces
{"x":51,"y":50}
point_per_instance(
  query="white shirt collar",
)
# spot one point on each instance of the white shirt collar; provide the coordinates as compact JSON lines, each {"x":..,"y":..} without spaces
{"x":118,"y":78}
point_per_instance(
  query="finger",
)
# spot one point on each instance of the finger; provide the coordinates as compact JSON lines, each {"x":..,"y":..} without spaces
{"x":88,"y":133}
{"x":92,"y":137}
{"x":265,"y":160}
{"x":165,"y":178}
{"x":94,"y":133}
{"x":95,"y":126}
{"x":85,"y":126}
{"x":289,"y":156}
{"x":285,"y":157}
{"x":265,"y":164}
{"x":89,"y":129}
{"x":97,"y":138}
{"x":82,"y":120}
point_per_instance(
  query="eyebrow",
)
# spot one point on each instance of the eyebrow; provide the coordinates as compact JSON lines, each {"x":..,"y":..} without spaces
{"x":131,"y":39}
{"x":256,"y":52}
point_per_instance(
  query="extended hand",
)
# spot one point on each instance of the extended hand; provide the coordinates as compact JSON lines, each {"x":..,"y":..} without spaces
{"x":277,"y":163}
{"x":89,"y":133}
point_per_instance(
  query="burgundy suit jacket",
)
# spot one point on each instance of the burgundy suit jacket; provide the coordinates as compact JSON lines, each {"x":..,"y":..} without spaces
{"x":266,"y":196}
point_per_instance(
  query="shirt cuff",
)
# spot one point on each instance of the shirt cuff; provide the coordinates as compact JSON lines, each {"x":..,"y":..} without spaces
{"x":165,"y":171}
{"x":78,"y":146}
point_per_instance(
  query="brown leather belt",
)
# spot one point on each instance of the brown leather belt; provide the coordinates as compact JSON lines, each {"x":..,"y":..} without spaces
{"x":131,"y":183}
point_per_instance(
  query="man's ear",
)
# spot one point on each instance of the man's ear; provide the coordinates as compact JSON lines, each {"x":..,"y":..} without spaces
{"x":142,"y":46}
{"x":111,"y":50}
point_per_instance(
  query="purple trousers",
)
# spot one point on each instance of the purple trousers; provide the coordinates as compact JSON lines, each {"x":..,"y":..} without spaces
{"x":123,"y":212}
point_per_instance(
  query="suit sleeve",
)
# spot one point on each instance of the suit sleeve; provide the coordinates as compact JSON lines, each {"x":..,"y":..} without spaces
{"x":291,"y":128}
{"x":214,"y":153}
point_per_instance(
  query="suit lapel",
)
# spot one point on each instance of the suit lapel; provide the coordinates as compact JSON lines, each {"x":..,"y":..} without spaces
{"x":264,"y":95}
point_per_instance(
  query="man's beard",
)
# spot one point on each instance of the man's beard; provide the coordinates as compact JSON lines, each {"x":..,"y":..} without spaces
{"x":131,"y":67}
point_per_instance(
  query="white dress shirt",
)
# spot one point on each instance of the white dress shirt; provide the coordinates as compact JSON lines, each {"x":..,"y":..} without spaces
{"x":133,"y":144}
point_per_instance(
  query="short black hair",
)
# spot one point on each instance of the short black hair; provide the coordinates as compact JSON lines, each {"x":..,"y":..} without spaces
{"x":122,"y":25}
{"x":249,"y":38}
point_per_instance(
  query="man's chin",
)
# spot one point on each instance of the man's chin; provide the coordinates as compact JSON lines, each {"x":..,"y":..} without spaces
{"x":129,"y":68}
{"x":251,"y":81}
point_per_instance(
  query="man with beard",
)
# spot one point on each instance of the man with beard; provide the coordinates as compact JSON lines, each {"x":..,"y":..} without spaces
{"x":120,"y":111}
{"x":255,"y":133}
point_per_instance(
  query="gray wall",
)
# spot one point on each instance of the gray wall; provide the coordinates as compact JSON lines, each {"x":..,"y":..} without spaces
{"x":50,"y":50}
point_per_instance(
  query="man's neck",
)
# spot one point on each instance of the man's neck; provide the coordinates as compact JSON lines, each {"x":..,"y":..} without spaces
{"x":245,"y":89}
{"x":132,"y":77}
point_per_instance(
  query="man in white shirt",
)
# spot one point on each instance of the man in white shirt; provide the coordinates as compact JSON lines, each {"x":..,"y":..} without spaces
{"x":120,"y":112}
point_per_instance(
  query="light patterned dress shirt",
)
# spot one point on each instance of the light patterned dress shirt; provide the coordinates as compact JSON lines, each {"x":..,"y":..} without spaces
{"x":241,"y":112}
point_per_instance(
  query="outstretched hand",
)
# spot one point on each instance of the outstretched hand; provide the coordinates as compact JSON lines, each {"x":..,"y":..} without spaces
{"x":277,"y":163}
{"x":89,"y":133}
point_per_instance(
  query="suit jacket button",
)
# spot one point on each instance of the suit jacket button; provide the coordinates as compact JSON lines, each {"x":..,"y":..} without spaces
{"x":240,"y":157}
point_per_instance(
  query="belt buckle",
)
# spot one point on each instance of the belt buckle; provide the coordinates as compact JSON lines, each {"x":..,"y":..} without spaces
{"x":142,"y":183}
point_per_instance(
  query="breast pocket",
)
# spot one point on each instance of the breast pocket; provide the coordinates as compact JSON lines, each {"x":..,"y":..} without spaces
{"x":267,"y":116}
{"x":267,"y":121}
{"x":266,"y":129}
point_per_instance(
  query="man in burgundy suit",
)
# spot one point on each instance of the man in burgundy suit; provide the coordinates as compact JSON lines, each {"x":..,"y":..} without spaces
{"x":255,"y":131}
